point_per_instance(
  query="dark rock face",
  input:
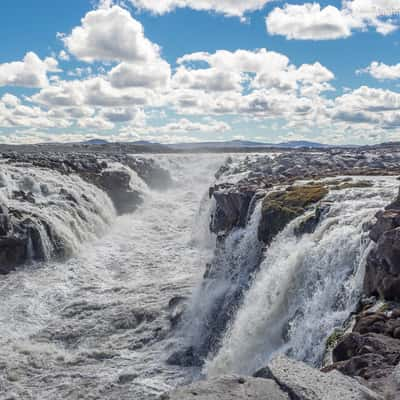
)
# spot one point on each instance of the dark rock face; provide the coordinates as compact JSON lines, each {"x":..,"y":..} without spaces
{"x":382,"y":276}
{"x":21,"y":240}
{"x":232,"y":208}
{"x":117,"y":185}
{"x":280,"y":208}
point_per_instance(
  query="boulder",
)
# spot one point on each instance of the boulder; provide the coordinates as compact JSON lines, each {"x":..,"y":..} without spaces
{"x":303,"y":382}
{"x":371,"y":356}
{"x":229,"y":388}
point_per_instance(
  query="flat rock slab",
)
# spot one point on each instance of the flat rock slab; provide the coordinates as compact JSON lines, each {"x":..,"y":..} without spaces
{"x":305,"y":383}
{"x":229,"y":388}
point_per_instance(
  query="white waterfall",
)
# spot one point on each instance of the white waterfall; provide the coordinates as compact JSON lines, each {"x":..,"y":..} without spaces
{"x":306,"y":286}
{"x":74,"y":210}
{"x":227,"y":275}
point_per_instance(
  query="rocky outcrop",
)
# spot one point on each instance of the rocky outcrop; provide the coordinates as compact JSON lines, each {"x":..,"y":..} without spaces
{"x":232,"y":206}
{"x":382,"y":276}
{"x":21,"y":239}
{"x":117,"y":185}
{"x":282,"y":379}
{"x":279,"y":208}
{"x":371,"y":351}
{"x":25,"y":233}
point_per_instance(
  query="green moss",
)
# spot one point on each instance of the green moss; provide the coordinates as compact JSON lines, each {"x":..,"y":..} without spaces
{"x":349,"y":185}
{"x":296,"y":198}
{"x":334,"y":338}
{"x":279,"y":208}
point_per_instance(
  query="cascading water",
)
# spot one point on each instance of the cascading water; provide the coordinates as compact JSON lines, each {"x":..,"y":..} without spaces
{"x":96,"y":326}
{"x":306,"y":287}
{"x":65,"y":210}
{"x":215,"y":300}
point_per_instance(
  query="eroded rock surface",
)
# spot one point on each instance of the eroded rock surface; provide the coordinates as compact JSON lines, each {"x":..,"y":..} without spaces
{"x":229,"y":388}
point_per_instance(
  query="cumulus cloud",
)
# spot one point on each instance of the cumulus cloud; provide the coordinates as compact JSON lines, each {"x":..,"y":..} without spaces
{"x":185,"y":125}
{"x":110,"y":34}
{"x":152,"y":75}
{"x":235,"y":8}
{"x":379,"y":70}
{"x":30,"y":72}
{"x":309,"y":21}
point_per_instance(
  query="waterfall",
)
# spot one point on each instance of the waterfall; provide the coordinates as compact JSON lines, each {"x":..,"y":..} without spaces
{"x":306,"y":286}
{"x":59,"y":212}
{"x":228,"y":275}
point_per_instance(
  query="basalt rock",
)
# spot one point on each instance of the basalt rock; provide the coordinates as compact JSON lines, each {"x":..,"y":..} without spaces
{"x":279,"y":208}
{"x":117,"y":185}
{"x":232,"y":208}
{"x":382,"y":276}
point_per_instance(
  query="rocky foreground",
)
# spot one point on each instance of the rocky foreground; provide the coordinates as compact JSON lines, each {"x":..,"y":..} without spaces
{"x":282,"y":379}
{"x":366,"y":353}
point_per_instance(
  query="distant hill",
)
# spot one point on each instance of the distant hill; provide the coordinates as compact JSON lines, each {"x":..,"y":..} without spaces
{"x":234,"y":144}
{"x":95,"y":141}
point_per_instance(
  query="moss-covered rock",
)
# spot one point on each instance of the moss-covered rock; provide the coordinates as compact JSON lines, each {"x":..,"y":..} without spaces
{"x":279,"y":208}
{"x":355,"y":185}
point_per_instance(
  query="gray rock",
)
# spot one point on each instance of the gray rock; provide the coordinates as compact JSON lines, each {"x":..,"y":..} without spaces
{"x":229,"y":388}
{"x":303,"y":382}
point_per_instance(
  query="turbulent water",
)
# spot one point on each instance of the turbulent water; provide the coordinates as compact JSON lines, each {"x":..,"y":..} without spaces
{"x":96,"y":326}
{"x":306,"y":286}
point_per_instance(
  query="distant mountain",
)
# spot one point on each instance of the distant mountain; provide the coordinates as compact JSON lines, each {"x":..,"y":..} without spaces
{"x":95,"y":141}
{"x":301,"y":143}
{"x":245,"y":144}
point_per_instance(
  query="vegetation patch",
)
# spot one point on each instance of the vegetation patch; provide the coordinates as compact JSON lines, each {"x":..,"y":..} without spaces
{"x":279,"y":208}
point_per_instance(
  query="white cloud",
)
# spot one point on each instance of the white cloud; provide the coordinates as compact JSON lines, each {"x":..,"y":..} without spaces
{"x":379,"y":70}
{"x":235,"y":8}
{"x":309,"y":21}
{"x":209,"y":80}
{"x":110,"y":34}
{"x":63,"y":55}
{"x":185,"y":125}
{"x":152,"y":75}
{"x":30,"y":72}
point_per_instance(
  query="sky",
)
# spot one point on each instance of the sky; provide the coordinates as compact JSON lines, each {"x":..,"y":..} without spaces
{"x":173,"y":71}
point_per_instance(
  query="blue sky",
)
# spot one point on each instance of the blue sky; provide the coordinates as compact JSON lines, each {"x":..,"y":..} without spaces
{"x":192,"y":70}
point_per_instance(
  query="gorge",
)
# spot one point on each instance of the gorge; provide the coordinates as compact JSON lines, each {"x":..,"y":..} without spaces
{"x":125,"y":276}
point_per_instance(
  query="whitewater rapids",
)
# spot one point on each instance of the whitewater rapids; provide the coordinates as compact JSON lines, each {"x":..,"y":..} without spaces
{"x":96,"y":326}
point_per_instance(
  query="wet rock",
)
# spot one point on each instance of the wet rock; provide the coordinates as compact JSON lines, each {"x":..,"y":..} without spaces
{"x":13,"y":252}
{"x":310,"y":223}
{"x":229,"y":388}
{"x":155,"y":176}
{"x":186,"y":358}
{"x":280,"y":208}
{"x":232,"y":207}
{"x":176,"y":308}
{"x":116,"y":184}
{"x":302,"y":382}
